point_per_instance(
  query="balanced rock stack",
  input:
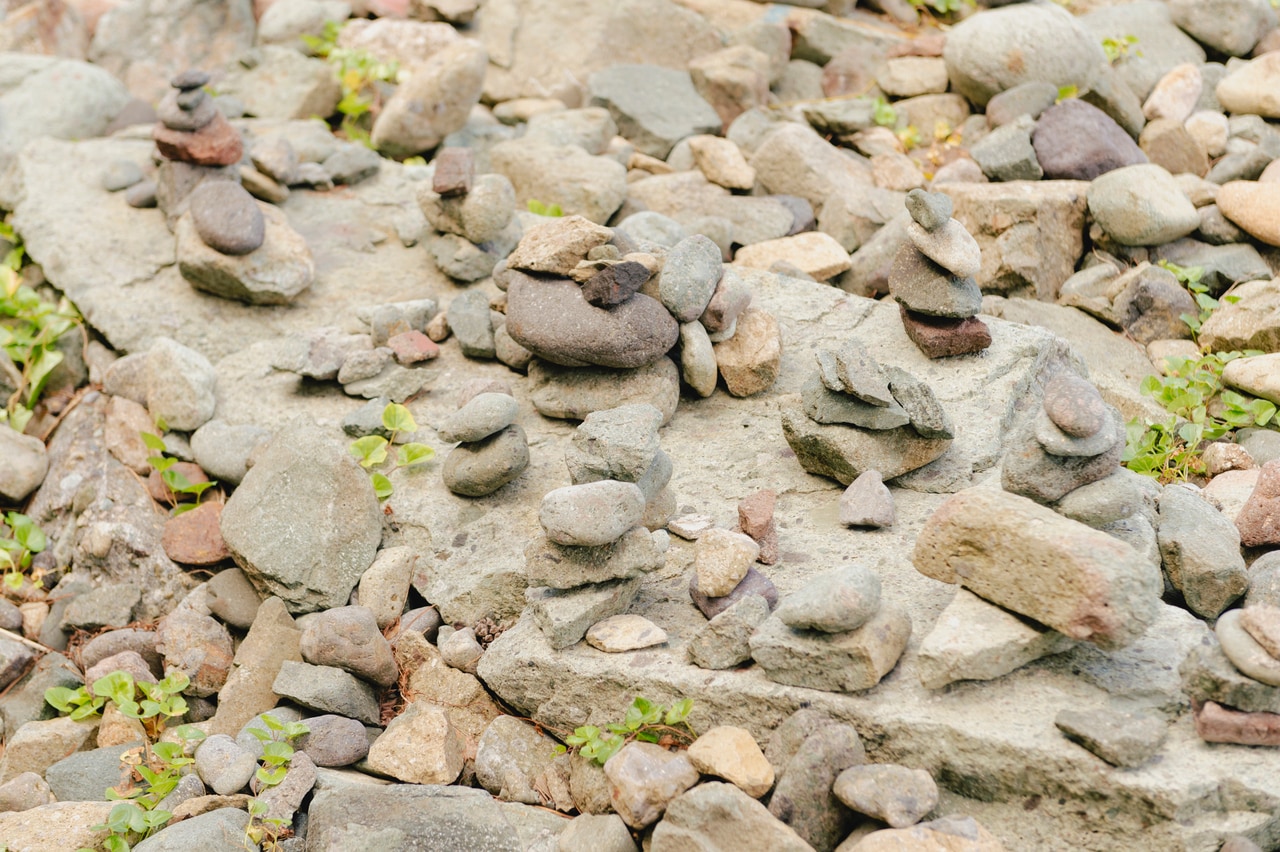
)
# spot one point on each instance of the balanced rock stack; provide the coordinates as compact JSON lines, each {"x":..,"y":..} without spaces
{"x":383,"y":359}
{"x":932,"y":279}
{"x":834,"y":634}
{"x":589,"y":564}
{"x":588,"y":298}
{"x":1234,"y":682}
{"x":474,"y":215}
{"x":1074,"y":438}
{"x":192,"y":130}
{"x":856,"y":416}
{"x":492,"y":448}
{"x":622,"y":444}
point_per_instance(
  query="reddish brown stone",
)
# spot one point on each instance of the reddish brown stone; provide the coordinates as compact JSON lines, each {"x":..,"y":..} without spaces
{"x":215,"y":144}
{"x":161,"y":493}
{"x":754,"y":583}
{"x":455,"y":170}
{"x":412,"y":347}
{"x":939,"y":337}
{"x":195,"y":537}
{"x":614,"y":284}
{"x":1259,"y":520}
{"x":1218,"y":724}
{"x":755,"y":518}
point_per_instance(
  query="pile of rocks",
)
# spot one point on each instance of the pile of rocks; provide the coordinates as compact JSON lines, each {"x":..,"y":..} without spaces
{"x":383,"y":359}
{"x":933,"y":280}
{"x":474,"y":215}
{"x":856,"y":415}
{"x":834,"y":634}
{"x":492,"y":448}
{"x":596,"y":549}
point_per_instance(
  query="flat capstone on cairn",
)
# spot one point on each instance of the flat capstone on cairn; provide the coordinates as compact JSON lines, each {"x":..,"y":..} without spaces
{"x":473,"y":217}
{"x":933,"y":280}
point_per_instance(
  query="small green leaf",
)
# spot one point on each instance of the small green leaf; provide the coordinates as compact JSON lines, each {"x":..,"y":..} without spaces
{"x":153,"y":442}
{"x":398,"y":419}
{"x":411,"y":454}
{"x":370,"y":450}
{"x":381,"y":486}
{"x":118,"y":686}
{"x":63,"y":699}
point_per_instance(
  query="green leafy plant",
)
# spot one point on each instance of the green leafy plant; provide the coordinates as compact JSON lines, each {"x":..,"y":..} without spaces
{"x":883,"y":113}
{"x":277,"y":740}
{"x":943,"y":7}
{"x":360,"y":74}
{"x":644,"y":722}
{"x":541,"y":209}
{"x":22,"y":540}
{"x":1189,"y":277}
{"x":1066,"y":93}
{"x":173,"y":479}
{"x":30,"y":328}
{"x":1164,"y":451}
{"x":128,"y":823}
{"x":372,"y":451}
{"x":1118,"y":48}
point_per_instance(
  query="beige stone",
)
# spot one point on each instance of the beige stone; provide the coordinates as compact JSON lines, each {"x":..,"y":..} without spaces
{"x":722,"y":162}
{"x":749,"y":362}
{"x":722,"y":559}
{"x":733,"y":754}
{"x":818,"y":254}
{"x":420,"y":746}
{"x":1259,"y":375}
{"x":1254,"y":206}
{"x":56,"y":827}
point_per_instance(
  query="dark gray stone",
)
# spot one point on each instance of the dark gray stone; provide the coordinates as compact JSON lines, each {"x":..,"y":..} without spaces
{"x":226,"y":217}
{"x":926,"y":288}
{"x":470,"y":323}
{"x":328,"y":689}
{"x":1077,"y":141}
{"x":482,"y":467}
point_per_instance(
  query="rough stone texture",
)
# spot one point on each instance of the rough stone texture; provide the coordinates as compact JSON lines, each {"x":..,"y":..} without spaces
{"x":420,"y":746}
{"x":732,"y":753}
{"x":838,"y":662}
{"x":272,"y":639}
{"x":1200,"y":549}
{"x":449,"y":82}
{"x":897,"y":795}
{"x":717,"y":817}
{"x":1259,"y":519}
{"x":644,"y":778}
{"x":304,"y":524}
{"x":1081,"y":582}
{"x":1121,"y":739}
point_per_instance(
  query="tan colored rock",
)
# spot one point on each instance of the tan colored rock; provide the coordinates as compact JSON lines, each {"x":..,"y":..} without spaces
{"x":56,"y":827}
{"x":626,"y":632}
{"x":1258,"y":375}
{"x":558,"y":245}
{"x":1253,"y":206}
{"x":420,"y":746}
{"x":1253,"y":88}
{"x":428,"y":678}
{"x":643,"y":778}
{"x":949,"y":834}
{"x":1259,"y":518}
{"x":734,"y":755}
{"x":816,"y":253}
{"x":722,"y":162}
{"x":1263,"y":624}
{"x":38,"y":745}
{"x":722,"y":558}
{"x":117,"y":728}
{"x":272,"y":639}
{"x":1252,"y":322}
{"x":1024,"y":557}
{"x":126,"y":421}
{"x":749,"y":362}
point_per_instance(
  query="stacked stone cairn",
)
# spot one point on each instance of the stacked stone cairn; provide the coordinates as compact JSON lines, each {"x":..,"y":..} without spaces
{"x":835,"y":634}
{"x":475,"y":216}
{"x":588,"y":565}
{"x":379,"y":357}
{"x":594,"y":317}
{"x":492,"y":448}
{"x":227,"y":243}
{"x":856,"y":416}
{"x":933,"y":280}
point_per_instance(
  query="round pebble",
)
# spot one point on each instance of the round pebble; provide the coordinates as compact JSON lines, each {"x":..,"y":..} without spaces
{"x":479,"y":418}
{"x":227,"y":218}
{"x":1074,"y":405}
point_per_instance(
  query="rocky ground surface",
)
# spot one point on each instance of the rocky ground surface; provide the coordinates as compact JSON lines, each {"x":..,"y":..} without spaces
{"x":785,"y":367}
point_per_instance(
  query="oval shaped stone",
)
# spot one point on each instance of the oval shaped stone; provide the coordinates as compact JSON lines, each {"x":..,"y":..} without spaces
{"x":1074,"y":405}
{"x":479,"y":418}
{"x":227,"y":218}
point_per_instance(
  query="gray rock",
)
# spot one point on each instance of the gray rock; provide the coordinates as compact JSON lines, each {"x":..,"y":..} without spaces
{"x":930,"y":210}
{"x":754,"y":583}
{"x":718,"y":817}
{"x":451,"y":79}
{"x":1058,"y":443}
{"x":226,"y":217}
{"x":273,"y":275}
{"x":552,"y":319}
{"x":619,"y":443}
{"x":348,"y":637}
{"x":893,"y":794}
{"x":85,"y":775}
{"x":593,"y":187}
{"x":24,"y":699}
{"x":1121,"y":739}
{"x":1033,"y":99}
{"x":1001,"y":48}
{"x":1160,"y":45}
{"x":482,"y":416}
{"x":1232,"y":27}
{"x":926,"y":288}
{"x":564,"y":616}
{"x":284,"y":799}
{"x":1249,"y":656}
{"x":1111,"y":499}
{"x":327,"y":689}
{"x":367,"y":419}
{"x":62,"y":98}
{"x":689,"y":277}
{"x":395,"y":382}
{"x":567,"y":567}
{"x":644,"y":778}
{"x":844,"y":453}
{"x":352,"y":163}
{"x":23,"y":464}
{"x":334,"y":740}
{"x":836,"y":662}
{"x":803,"y":797}
{"x":1200,"y":549}
{"x":179,"y":385}
{"x":867,"y":502}
{"x":461,"y":259}
{"x":121,"y":174}
{"x":197,"y":645}
{"x":106,"y":606}
{"x":1031,"y":472}
{"x":724,"y":642}
{"x":481,"y":467}
{"x":220,"y":830}
{"x":320,"y":353}
{"x":304,"y":523}
{"x":1209,"y":675}
{"x":470,"y":323}
{"x":24,"y":792}
{"x":823,"y":405}
{"x":223,"y":765}
{"x":1141,"y":205}
{"x":653,"y":107}
{"x":1006,"y":152}
{"x":927,"y":415}
{"x":591,"y":514}
{"x":223,"y":450}
{"x":837,"y":602}
{"x":1152,"y":306}
{"x":597,"y":833}
{"x":14,"y":659}
{"x":188,"y":787}
{"x":515,"y":761}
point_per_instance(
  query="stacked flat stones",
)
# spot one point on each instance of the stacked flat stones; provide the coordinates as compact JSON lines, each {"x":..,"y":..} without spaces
{"x":588,"y":565}
{"x":1234,"y":683}
{"x":835,"y":634}
{"x":856,"y":415}
{"x":582,"y":296}
{"x":192,"y":130}
{"x":382,"y":360}
{"x":1074,"y":438}
{"x":475,"y":216}
{"x":933,"y":280}
{"x":492,"y":448}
